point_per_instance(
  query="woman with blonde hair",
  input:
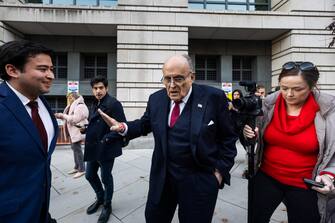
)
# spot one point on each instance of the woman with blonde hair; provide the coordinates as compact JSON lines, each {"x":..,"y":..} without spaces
{"x":75,"y":116}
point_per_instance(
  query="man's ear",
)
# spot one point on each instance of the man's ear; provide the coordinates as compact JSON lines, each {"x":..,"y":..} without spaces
{"x":193,"y":76}
{"x":12,"y":71}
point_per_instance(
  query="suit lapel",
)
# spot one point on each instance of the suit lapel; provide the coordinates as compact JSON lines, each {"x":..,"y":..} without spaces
{"x":15,"y":106}
{"x":163,"y":111}
{"x":102,"y":106}
{"x":198,"y":109}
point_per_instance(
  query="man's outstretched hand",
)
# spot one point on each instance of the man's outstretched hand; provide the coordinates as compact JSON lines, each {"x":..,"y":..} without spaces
{"x":112,"y":123}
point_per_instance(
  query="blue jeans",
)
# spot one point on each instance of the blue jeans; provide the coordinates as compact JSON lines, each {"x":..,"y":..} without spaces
{"x":91,"y":175}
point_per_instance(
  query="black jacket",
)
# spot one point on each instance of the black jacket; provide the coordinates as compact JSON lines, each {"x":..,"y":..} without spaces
{"x":101,"y":144}
{"x":212,"y":137}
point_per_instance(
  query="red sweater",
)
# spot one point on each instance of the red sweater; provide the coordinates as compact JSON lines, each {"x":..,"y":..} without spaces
{"x":291,"y":145}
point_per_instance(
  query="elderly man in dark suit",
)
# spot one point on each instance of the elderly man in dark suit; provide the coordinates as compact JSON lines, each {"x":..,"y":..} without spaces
{"x":194,"y":145}
{"x":101,"y":147}
{"x":28,"y":132}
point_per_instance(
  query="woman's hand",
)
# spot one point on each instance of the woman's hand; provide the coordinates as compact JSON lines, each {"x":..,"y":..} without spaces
{"x":59,"y":115}
{"x":327,"y":180}
{"x":248,"y":133}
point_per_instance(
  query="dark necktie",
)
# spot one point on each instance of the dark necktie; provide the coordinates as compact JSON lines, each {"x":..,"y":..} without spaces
{"x":174,"y":114}
{"x":39,"y":124}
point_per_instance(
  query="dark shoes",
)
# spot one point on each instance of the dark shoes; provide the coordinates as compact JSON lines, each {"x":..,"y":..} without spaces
{"x":94,"y":207}
{"x":104,"y":216}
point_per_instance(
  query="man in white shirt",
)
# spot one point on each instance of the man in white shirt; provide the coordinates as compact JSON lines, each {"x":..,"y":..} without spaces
{"x":28,"y":132}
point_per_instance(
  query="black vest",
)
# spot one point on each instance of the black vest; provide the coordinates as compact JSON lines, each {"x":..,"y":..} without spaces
{"x":180,"y":159}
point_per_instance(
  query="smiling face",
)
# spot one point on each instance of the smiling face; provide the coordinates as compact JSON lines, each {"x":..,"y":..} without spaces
{"x":177,"y":77}
{"x":294,"y":89}
{"x":35,"y":78}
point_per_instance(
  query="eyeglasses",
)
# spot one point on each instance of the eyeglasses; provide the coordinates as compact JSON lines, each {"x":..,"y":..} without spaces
{"x":303,"y":66}
{"x":177,"y":80}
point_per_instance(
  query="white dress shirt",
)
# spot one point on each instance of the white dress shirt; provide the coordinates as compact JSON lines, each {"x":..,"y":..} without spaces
{"x":172,"y":104}
{"x":181,"y":104}
{"x":42,"y":111}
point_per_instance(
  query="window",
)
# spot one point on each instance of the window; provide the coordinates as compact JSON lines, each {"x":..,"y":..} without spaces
{"x":240,"y":5}
{"x":206,"y":67}
{"x":57,"y":103}
{"x":60,"y":65}
{"x":242,"y":68}
{"x":94,"y":65}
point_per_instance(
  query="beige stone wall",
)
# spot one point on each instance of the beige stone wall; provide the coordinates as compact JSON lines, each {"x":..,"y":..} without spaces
{"x":166,"y":3}
{"x":13,"y":1}
{"x":306,"y":45}
{"x":8,"y":34}
{"x":141,"y":52}
{"x":305,"y":5}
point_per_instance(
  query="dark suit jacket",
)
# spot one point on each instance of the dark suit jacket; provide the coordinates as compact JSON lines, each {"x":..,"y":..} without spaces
{"x":25,"y":178}
{"x":100,"y":143}
{"x":212,"y":145}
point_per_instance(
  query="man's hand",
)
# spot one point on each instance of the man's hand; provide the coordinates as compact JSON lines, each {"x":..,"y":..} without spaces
{"x":249,"y":133}
{"x":112,"y":123}
{"x":218,"y":176}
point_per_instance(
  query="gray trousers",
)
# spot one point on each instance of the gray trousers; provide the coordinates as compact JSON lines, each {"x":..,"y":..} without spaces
{"x":78,"y":156}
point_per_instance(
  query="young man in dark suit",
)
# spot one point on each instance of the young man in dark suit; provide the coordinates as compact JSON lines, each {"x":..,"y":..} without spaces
{"x":194,"y":145}
{"x":28,"y":132}
{"x":101,"y":147}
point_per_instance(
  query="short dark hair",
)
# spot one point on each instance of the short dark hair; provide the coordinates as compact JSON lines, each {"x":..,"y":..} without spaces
{"x":259,"y":86}
{"x":17,"y":53}
{"x":99,"y":79}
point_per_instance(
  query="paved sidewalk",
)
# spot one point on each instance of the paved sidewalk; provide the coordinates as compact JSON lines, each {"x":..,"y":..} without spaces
{"x":70,"y":197}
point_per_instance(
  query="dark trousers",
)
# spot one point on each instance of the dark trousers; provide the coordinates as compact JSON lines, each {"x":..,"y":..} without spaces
{"x":195,"y":196}
{"x":301,"y":204}
{"x":106,"y":178}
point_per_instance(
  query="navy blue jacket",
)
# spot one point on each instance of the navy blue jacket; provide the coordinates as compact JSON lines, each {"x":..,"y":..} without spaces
{"x":100,"y":143}
{"x":212,"y":135}
{"x":25,"y":176}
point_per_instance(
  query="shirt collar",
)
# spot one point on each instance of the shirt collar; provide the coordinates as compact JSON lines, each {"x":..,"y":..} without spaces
{"x":184,"y":99}
{"x":22,"y":98}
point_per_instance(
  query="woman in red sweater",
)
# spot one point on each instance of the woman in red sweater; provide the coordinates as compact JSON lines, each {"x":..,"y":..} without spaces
{"x":295,"y":142}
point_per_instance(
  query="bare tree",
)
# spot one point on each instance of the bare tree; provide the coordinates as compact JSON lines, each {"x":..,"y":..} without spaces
{"x":331,"y":27}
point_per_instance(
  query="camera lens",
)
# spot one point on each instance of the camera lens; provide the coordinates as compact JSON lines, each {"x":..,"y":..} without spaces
{"x":238,"y":103}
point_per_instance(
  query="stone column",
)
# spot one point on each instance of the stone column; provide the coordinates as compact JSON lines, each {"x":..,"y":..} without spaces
{"x":141,"y":52}
{"x":306,"y":45}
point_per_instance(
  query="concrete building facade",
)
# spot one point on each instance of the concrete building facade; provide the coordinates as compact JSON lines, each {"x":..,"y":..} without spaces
{"x":128,"y":41}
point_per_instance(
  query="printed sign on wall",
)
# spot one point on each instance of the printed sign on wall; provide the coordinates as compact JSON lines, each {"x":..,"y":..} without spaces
{"x":72,"y":86}
{"x":227,"y":87}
